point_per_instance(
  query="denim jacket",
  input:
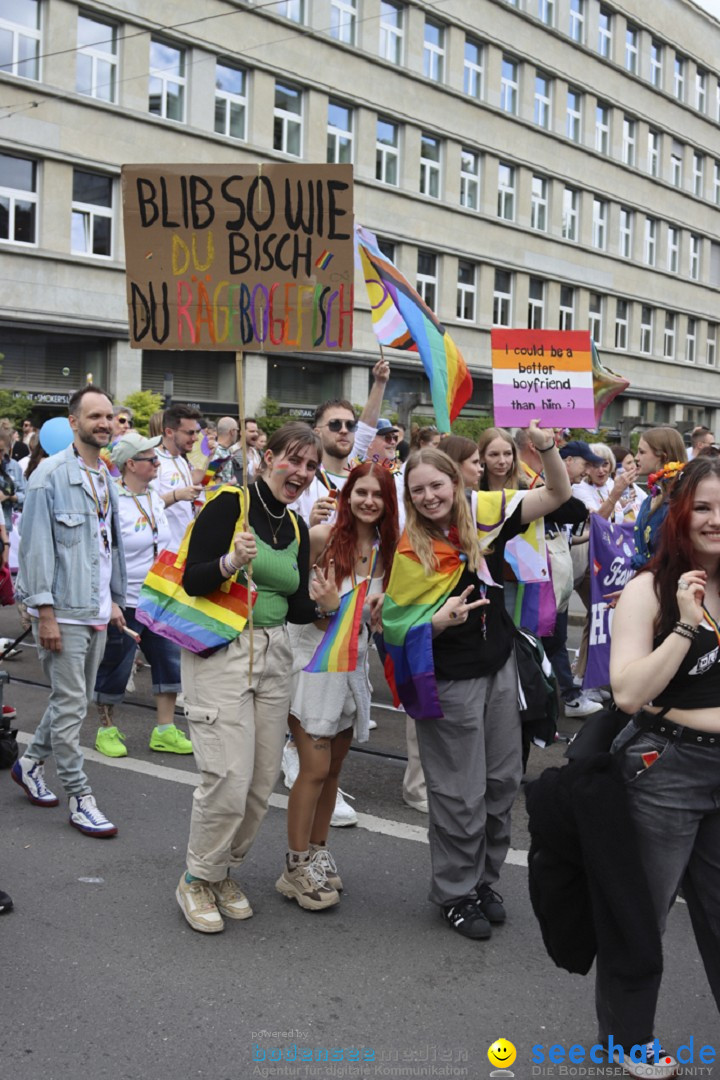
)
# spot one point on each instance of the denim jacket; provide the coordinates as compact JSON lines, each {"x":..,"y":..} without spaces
{"x":59,"y":552}
{"x":16,"y":475}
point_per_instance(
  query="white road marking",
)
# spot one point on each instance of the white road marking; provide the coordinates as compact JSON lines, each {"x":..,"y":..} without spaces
{"x":398,"y":829}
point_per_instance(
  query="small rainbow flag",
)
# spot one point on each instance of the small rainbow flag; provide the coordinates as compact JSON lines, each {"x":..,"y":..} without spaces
{"x":213,"y":468}
{"x":402,"y":320}
{"x":323,"y":260}
{"x":338,"y":650}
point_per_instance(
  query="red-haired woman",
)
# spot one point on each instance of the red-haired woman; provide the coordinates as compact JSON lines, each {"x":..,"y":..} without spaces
{"x":664,"y":662}
{"x":326,"y":706}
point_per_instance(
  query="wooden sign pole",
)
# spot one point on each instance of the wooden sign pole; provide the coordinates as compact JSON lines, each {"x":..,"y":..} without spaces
{"x":246,"y":501}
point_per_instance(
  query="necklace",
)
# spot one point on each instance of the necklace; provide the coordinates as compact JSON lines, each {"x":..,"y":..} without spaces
{"x":278,"y":517}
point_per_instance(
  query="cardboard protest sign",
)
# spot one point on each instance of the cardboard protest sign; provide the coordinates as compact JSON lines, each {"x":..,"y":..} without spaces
{"x":238,"y":257}
{"x":545,"y":374}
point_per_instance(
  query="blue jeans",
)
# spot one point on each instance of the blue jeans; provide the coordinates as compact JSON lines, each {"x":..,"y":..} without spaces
{"x":114,"y":671}
{"x":71,"y":674}
{"x":675,"y":807}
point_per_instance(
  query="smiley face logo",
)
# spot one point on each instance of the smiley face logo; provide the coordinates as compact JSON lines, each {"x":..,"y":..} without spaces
{"x":502,"y":1053}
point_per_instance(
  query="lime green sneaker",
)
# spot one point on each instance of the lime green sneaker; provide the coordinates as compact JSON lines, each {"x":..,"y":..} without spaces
{"x":170,"y":741}
{"x":110,"y":742}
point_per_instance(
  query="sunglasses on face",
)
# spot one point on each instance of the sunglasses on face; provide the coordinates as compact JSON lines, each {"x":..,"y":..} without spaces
{"x":338,"y":425}
{"x":392,"y":436}
{"x":151,"y":460}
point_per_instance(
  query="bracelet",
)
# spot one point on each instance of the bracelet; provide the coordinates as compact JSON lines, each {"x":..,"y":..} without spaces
{"x":694,"y":630}
{"x":320,"y":614}
{"x":545,"y":449}
{"x":174,"y":495}
{"x":227,"y":566}
{"x":681,"y":632}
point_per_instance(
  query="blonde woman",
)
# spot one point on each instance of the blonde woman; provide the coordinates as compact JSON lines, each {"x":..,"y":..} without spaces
{"x":657,"y":450}
{"x":499,"y":456}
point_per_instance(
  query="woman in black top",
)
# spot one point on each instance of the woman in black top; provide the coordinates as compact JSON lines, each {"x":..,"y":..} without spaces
{"x":237,"y":721}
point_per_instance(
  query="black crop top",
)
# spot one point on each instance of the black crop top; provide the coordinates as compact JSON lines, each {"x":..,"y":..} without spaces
{"x":696,"y":684}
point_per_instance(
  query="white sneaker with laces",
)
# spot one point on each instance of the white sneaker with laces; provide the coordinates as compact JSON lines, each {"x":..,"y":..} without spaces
{"x":86,"y":816}
{"x":290,"y":763}
{"x":597,"y":695}
{"x":656,"y":1067}
{"x":581,"y":706}
{"x":343,"y":814}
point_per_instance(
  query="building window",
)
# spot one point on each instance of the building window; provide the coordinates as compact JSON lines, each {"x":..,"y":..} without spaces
{"x":20,"y":38}
{"x":509,"y":86}
{"x":339,"y":134}
{"x":230,"y":101}
{"x":430,"y":154}
{"x":570,"y":214}
{"x":701,"y":80}
{"x":167,"y":81}
{"x":673,"y":249}
{"x":626,"y":232}
{"x":698,"y":175}
{"x":599,"y":224}
{"x":595,"y":313}
{"x":650,"y":241}
{"x":632,"y":35}
{"x":716,"y":183}
{"x":669,"y":336}
{"x":434,"y":51}
{"x":543,"y":102}
{"x":711,"y":350}
{"x":676,"y":163}
{"x":605,"y":32}
{"x":343,"y":16}
{"x":288,"y":119}
{"x":506,"y":191}
{"x":387,"y":152}
{"x":567,"y":308}
{"x":646,"y":330}
{"x":387,"y":248}
{"x":291,"y":9}
{"x":690,"y":340}
{"x":656,"y":63}
{"x":469,"y":179}
{"x":473,"y":68}
{"x":91,"y":232}
{"x":574,"y":114}
{"x":679,"y":78}
{"x":536,"y":304}
{"x":695,"y":256}
{"x":539,"y":204}
{"x":621,"y":324}
{"x":466,"y":291}
{"x":97,"y":59}
{"x":546,"y":12}
{"x":629,"y":140}
{"x":577,"y":21}
{"x":654,"y":138}
{"x":502,"y":298}
{"x":18,"y":200}
{"x":602,"y":128}
{"x":391,"y":32}
{"x":427,"y":281}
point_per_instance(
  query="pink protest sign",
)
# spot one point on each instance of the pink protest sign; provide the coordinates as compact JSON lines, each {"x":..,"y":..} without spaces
{"x":545,"y":374}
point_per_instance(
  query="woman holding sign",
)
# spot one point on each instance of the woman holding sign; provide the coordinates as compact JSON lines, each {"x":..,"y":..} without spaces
{"x":237,"y":722}
{"x":665,"y":638}
{"x":331,"y":688}
{"x":451,"y":643}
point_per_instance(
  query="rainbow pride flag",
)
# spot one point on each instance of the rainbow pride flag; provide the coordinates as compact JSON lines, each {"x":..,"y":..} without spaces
{"x":338,"y":650}
{"x":402,"y":320}
{"x":213,"y":468}
{"x":412,"y":598}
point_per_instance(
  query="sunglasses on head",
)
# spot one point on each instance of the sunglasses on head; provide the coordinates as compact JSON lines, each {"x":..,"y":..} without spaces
{"x":338,"y":425}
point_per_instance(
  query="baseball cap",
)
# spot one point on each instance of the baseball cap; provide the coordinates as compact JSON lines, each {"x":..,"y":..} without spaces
{"x":130,"y":445}
{"x":384,"y":427}
{"x":578,"y":448}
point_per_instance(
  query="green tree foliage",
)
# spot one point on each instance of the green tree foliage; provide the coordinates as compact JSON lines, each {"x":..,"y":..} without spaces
{"x":143,"y":404}
{"x":16,"y":407}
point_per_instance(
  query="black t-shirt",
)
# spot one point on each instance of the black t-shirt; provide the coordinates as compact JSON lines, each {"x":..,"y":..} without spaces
{"x":463,"y":651}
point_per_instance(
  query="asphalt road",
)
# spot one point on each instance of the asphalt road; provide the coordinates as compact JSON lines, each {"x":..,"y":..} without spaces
{"x":101,"y":977}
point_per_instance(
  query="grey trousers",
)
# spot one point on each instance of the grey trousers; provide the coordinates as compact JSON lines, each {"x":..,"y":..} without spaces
{"x":472,"y":760}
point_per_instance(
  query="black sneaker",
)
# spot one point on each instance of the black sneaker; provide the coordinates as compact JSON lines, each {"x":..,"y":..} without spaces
{"x":466,"y":917}
{"x":6,"y":903}
{"x":491,"y":904}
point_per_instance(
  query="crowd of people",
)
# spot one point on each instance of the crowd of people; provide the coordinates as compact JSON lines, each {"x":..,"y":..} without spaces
{"x":413,"y":544}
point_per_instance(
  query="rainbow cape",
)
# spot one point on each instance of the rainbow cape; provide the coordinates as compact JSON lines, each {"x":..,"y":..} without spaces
{"x":402,"y":320}
{"x":412,"y":598}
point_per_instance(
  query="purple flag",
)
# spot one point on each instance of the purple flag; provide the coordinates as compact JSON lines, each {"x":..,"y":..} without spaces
{"x":611,"y":549}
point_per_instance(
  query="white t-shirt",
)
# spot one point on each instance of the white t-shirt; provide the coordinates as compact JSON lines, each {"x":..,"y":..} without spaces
{"x":174,"y":473}
{"x":318,"y":490}
{"x":135,"y":522}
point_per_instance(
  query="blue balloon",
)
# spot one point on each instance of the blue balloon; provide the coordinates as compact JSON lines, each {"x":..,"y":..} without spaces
{"x":56,"y":435}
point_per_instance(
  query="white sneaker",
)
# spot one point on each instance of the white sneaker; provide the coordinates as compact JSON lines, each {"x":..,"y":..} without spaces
{"x":661,"y":1067}
{"x":343,"y":814}
{"x":421,"y":805}
{"x":581,"y":706}
{"x":597,"y":695}
{"x":290,"y":763}
{"x":86,"y":816}
{"x":372,"y":724}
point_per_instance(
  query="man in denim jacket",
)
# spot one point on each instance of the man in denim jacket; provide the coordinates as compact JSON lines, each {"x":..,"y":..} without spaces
{"x":72,"y":580}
